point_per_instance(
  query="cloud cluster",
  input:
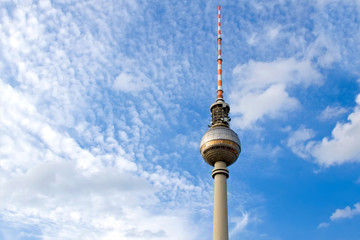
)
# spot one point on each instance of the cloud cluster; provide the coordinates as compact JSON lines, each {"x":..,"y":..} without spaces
{"x":77,"y":159}
{"x":262,"y":89}
{"x":50,"y":181}
{"x":290,"y":54}
{"x":342,"y":147}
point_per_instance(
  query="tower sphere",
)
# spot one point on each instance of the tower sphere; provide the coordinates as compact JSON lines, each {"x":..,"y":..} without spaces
{"x":220,"y":143}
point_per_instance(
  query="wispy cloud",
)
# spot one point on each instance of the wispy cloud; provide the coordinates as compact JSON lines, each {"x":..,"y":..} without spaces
{"x":323,"y":225}
{"x":240,"y":223}
{"x":331,"y":112}
{"x":297,"y":141}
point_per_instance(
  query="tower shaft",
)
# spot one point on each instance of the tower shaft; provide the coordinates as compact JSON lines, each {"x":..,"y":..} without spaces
{"x":220,"y":227}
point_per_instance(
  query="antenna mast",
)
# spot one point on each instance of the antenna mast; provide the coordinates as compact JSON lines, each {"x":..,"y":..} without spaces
{"x":219,"y":60}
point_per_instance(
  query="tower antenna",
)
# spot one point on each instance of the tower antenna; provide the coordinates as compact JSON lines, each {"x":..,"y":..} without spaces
{"x":219,"y":60}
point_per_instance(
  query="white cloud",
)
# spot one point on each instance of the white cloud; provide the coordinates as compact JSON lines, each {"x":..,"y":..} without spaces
{"x":323,"y":50}
{"x":323,"y":3}
{"x":49,"y":180}
{"x":261,"y":89}
{"x":273,"y":32}
{"x":256,"y":75}
{"x":346,"y":212}
{"x":131,"y":79}
{"x":129,"y":83}
{"x":240,"y":223}
{"x":342,"y":147}
{"x":297,"y":139}
{"x":251,"y":40}
{"x":255,"y":106}
{"x":323,"y":225}
{"x":64,"y":168}
{"x":331,"y":112}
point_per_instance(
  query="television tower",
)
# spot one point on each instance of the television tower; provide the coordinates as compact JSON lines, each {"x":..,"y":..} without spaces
{"x":220,"y":147}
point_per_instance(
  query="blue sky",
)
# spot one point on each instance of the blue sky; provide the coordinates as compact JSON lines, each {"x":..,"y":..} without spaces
{"x":103,"y":105}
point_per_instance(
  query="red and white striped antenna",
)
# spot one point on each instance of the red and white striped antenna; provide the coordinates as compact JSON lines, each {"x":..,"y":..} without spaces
{"x":219,"y":60}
